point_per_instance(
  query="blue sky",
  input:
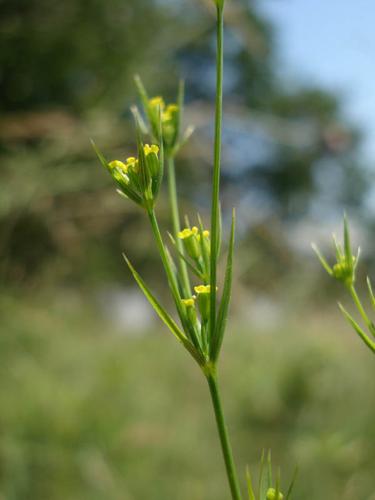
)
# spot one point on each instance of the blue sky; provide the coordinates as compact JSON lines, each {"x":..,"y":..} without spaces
{"x":331,"y":43}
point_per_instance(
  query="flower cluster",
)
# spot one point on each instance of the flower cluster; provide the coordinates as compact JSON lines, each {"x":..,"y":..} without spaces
{"x":196,"y":243}
{"x":344,"y":271}
{"x":169,"y":116}
{"x":138,"y":178}
{"x":346,"y":263}
{"x":164,"y":120}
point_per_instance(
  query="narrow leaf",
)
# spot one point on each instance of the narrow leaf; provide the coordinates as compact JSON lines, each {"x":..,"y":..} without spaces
{"x":370,"y":344}
{"x":269,"y":468}
{"x":250,"y":488}
{"x":164,"y":316}
{"x":100,"y":156}
{"x":347,"y":249}
{"x":159,"y":309}
{"x":322,"y":259}
{"x":371,"y":294}
{"x":142,"y":92}
{"x":277,"y":489}
{"x":338,"y":249}
{"x":218,"y":333}
{"x":261,"y":472}
{"x":292,"y":483}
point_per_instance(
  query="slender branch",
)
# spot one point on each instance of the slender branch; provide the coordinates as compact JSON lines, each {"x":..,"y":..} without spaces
{"x":224,"y":439}
{"x":217,"y":159}
{"x":176,"y":224}
{"x":360,"y":307}
{"x":163,"y":254}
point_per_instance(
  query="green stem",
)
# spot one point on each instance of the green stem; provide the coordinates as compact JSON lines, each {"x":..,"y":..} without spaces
{"x":217,"y":158}
{"x":163,"y":254}
{"x":224,"y":439}
{"x":360,"y":308}
{"x":176,"y":224}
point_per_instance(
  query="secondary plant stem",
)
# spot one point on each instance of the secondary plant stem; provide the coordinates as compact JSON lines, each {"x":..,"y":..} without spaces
{"x":176,"y":224}
{"x":360,"y":308}
{"x":224,"y":439}
{"x":217,"y":157}
{"x":163,"y":254}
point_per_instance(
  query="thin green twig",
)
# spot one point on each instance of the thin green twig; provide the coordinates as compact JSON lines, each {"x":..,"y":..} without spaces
{"x":224,"y":439}
{"x":217,"y":159}
{"x":172,"y":188}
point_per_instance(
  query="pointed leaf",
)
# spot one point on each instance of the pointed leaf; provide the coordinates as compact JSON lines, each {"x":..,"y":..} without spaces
{"x":250,"y":488}
{"x":347,"y":249}
{"x":162,"y":313}
{"x":321,"y":259}
{"x":370,"y":344}
{"x":338,"y":249}
{"x":292,"y":483}
{"x":371,"y":294}
{"x":218,"y":333}
{"x":269,"y":469}
{"x":142,"y":92}
{"x":100,"y":156}
{"x":164,"y":316}
{"x":277,"y":488}
{"x":261,"y":472}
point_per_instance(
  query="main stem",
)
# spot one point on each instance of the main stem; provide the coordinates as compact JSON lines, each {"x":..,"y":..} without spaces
{"x":224,"y":439}
{"x":176,"y":224}
{"x":217,"y":158}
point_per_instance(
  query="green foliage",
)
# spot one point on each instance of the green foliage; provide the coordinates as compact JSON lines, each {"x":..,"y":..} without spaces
{"x":73,"y":424}
{"x":344,"y":271}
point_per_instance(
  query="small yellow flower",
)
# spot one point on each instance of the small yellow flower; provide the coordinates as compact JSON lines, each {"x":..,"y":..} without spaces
{"x":200,"y":289}
{"x":167,"y":115}
{"x":150,"y":149}
{"x":132,"y":163}
{"x":118,"y":164}
{"x":172,"y":108}
{"x":187,"y":233}
{"x":205,"y":233}
{"x":188,"y":302}
{"x":157,"y":101}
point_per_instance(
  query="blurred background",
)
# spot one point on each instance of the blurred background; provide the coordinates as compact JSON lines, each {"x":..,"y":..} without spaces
{"x":97,"y":401}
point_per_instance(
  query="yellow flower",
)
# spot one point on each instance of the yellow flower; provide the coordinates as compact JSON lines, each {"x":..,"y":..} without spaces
{"x":157,"y":101}
{"x":188,"y":302}
{"x":119,"y":165}
{"x":200,"y":289}
{"x":132,"y":163}
{"x":167,"y":115}
{"x":205,"y":233}
{"x":187,"y":233}
{"x":150,"y":149}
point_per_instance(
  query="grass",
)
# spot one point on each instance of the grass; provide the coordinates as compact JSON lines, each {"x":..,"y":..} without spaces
{"x":88,"y":413}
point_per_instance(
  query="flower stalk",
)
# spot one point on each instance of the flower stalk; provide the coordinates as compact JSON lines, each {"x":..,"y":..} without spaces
{"x":223,"y":434}
{"x":202,"y":317}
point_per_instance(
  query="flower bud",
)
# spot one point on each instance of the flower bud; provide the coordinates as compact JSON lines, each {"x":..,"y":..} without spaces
{"x":271,"y":495}
{"x":191,"y":242}
{"x":203,"y":299}
{"x":190,"y":309}
{"x":152,"y":160}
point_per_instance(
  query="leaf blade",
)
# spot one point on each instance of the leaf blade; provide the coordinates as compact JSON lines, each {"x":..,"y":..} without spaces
{"x":221,"y":320}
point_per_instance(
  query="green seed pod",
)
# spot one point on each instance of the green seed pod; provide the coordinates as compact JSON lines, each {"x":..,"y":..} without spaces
{"x":190,"y":310}
{"x":203,"y":299}
{"x":271,"y":495}
{"x":191,"y":242}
